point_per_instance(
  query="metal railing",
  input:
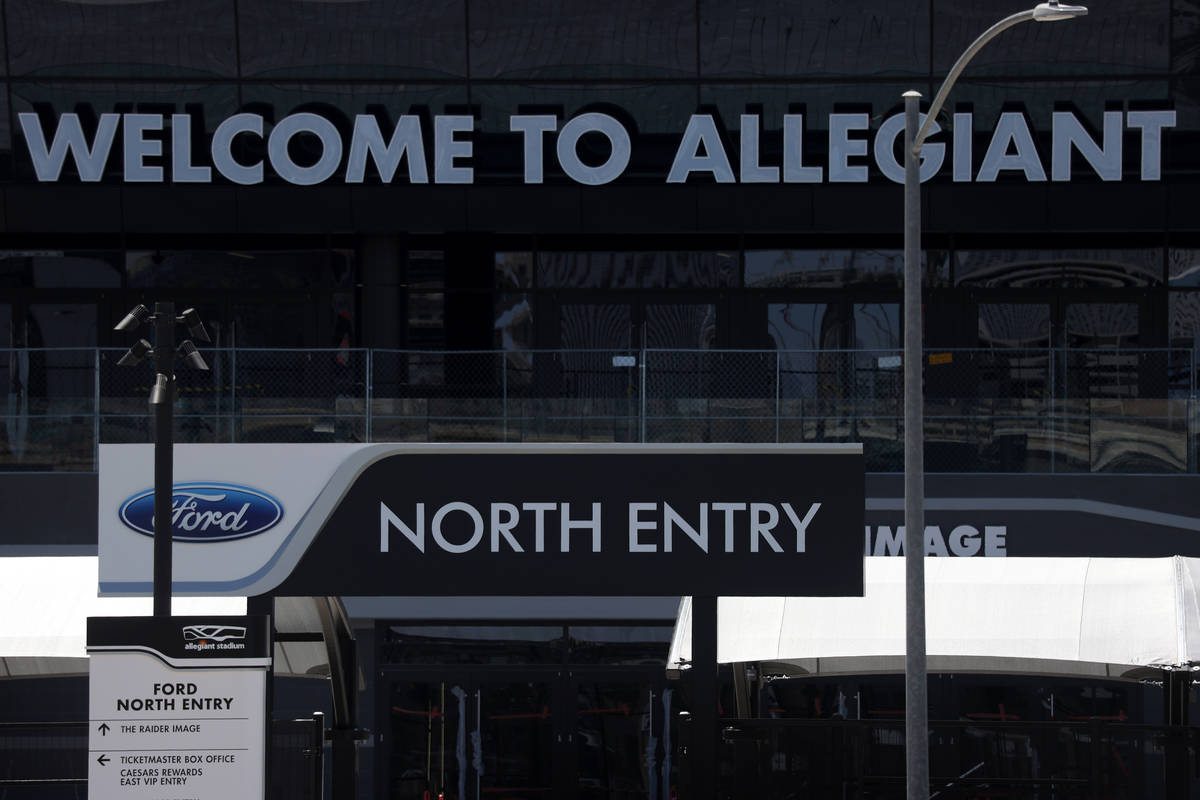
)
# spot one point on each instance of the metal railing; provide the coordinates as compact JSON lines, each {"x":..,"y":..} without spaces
{"x":865,"y":759}
{"x":48,"y":760}
{"x":993,"y":410}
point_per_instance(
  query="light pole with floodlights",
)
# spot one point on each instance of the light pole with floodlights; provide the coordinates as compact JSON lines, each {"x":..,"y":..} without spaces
{"x":162,"y":400}
{"x":916,"y":704}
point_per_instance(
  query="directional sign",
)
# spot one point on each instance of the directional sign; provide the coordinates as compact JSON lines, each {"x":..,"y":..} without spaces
{"x":177,"y":707}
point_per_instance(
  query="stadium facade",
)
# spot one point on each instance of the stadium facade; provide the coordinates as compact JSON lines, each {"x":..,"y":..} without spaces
{"x":676,"y":221}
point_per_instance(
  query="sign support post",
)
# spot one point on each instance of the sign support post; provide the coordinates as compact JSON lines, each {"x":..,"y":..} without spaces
{"x":163,"y":402}
{"x":705,"y":719}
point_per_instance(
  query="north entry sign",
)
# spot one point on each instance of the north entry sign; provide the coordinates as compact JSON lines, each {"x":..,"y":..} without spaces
{"x":501,"y":520}
{"x":177,"y":707}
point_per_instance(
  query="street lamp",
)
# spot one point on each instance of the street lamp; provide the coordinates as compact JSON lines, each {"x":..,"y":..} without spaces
{"x":162,"y":399}
{"x":916,"y":705}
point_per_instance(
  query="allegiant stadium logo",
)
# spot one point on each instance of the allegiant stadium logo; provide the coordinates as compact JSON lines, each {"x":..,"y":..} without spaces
{"x":207,"y":512}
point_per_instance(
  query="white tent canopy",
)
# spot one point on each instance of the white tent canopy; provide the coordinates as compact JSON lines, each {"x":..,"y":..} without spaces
{"x":1073,"y":616}
{"x":47,"y":600}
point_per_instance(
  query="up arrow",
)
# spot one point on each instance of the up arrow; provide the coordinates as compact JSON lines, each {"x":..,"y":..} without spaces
{"x":102,"y":760}
{"x":103,"y":729}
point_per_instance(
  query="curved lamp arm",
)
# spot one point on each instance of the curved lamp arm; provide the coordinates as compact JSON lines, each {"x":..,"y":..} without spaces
{"x":1044,"y":12}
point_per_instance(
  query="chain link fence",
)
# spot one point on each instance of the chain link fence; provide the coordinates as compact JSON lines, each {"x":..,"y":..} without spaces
{"x":865,"y":759}
{"x":993,"y":410}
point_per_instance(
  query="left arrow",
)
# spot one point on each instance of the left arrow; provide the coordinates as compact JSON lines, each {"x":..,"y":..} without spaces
{"x":103,"y":759}
{"x":103,"y":729}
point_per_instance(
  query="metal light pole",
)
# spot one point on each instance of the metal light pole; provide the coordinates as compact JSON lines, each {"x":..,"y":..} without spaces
{"x":162,"y":401}
{"x":916,"y":685}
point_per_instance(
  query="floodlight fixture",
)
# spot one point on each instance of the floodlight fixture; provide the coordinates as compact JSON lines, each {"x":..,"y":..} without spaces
{"x":161,"y":393}
{"x":1053,"y":11}
{"x":136,"y":316}
{"x":194,"y":324}
{"x":191,"y":356}
{"x":141,"y":348}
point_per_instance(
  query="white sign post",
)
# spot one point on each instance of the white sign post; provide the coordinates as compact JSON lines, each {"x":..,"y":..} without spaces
{"x":177,"y":708}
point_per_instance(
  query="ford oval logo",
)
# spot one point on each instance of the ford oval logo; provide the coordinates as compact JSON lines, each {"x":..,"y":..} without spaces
{"x":207,"y":512}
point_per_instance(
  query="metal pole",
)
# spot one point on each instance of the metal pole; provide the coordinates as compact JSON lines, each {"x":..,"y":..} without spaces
{"x":233,"y":379}
{"x":642,"y":390}
{"x":96,"y":411}
{"x":1052,"y":401}
{"x":162,"y":401}
{"x":702,"y":754}
{"x":370,"y":388}
{"x":778,"y":394}
{"x":916,"y":706}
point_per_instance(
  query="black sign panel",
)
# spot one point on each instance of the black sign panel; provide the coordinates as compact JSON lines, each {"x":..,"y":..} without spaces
{"x":1108,"y":516}
{"x":185,"y":639}
{"x":642,"y":522}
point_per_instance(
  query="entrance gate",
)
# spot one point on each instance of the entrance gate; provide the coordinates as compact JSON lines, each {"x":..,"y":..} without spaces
{"x":523,"y":733}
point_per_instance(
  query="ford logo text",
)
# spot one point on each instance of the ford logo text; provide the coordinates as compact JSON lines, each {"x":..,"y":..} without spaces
{"x":207,"y":512}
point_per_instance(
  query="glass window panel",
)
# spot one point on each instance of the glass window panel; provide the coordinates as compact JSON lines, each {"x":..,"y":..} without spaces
{"x":273,"y":324}
{"x":473,"y":644}
{"x":815,"y":698}
{"x":702,"y":270}
{"x":426,"y":270}
{"x":1051,"y":268}
{"x":616,"y":736}
{"x":6,"y":331}
{"x":513,"y":326}
{"x":514,"y":271}
{"x":427,"y":320}
{"x":685,"y":326}
{"x":61,"y":380}
{"x":49,"y":269}
{"x":371,"y":39}
{"x":6,"y":138}
{"x":1185,"y":36}
{"x":167,"y":38}
{"x":1101,"y":324}
{"x":625,"y":644}
{"x":303,"y":270}
{"x":768,"y":37}
{"x":341,"y":101}
{"x":1128,"y":37}
{"x":634,"y":270}
{"x":1179,"y":156}
{"x":1183,"y":266}
{"x":833,"y":268}
{"x":516,"y":736}
{"x":802,"y":326}
{"x":1184,"y":314}
{"x":426,"y":720}
{"x":578,"y":39}
{"x":877,"y":326}
{"x":595,"y":326}
{"x":1014,"y":324}
{"x":61,"y":325}
{"x":600,"y":270}
{"x":800,"y":331}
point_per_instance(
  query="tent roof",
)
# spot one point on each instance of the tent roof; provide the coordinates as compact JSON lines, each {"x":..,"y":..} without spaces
{"x":47,"y":600}
{"x":1080,"y":616}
